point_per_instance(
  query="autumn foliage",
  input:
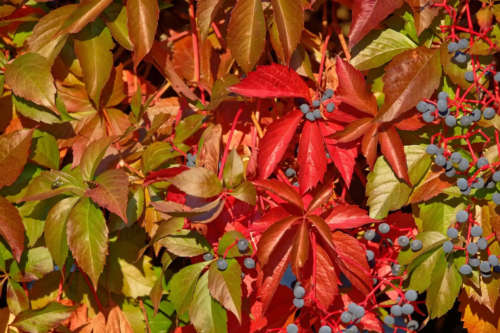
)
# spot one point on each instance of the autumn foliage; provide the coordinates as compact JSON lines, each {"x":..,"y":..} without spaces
{"x":249,"y":166}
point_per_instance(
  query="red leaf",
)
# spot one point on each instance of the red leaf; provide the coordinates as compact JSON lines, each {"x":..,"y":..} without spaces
{"x":393,"y":151}
{"x":352,"y":88}
{"x":11,"y":227}
{"x":434,"y":182}
{"x":370,"y":322}
{"x":311,"y":157}
{"x":185,"y":329}
{"x":369,"y":145}
{"x":354,"y":130}
{"x":280,"y":309}
{"x":272,"y":236}
{"x":272,"y":216}
{"x":347,"y":217}
{"x":282,"y":190}
{"x":343,"y":156}
{"x":273,"y":81}
{"x":164,"y":174}
{"x":273,"y":145}
{"x":409,"y":121}
{"x":300,"y":249}
{"x":367,"y":14}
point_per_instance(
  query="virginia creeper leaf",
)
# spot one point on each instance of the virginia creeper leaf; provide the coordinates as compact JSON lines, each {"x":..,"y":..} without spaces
{"x":225,"y":286}
{"x":142,"y":23}
{"x":86,"y":12}
{"x":311,"y":157}
{"x":11,"y":227}
{"x":183,"y":285}
{"x":289,"y":19}
{"x":44,"y":319}
{"x":199,"y":182}
{"x":14,"y":152}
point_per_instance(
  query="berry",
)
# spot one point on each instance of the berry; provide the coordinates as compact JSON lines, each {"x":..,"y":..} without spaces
{"x":431,"y":107}
{"x":476,"y":115}
{"x":493,"y":260}
{"x":450,"y":121}
{"x":440,"y":160}
{"x":296,"y":184}
{"x":242,"y":245}
{"x":486,"y":275}
{"x":310,"y":116}
{"x":432,"y":150}
{"x":411,"y":295}
{"x":463,"y":44}
{"x":469,"y":76}
{"x":453,"y":47}
{"x":330,"y":107}
{"x":299,"y":292}
{"x":416,"y":245}
{"x":497,"y":77}
{"x":476,"y":231}
{"x":496,"y":177}
{"x":456,"y":157}
{"x":474,"y":262}
{"x":370,"y":234}
{"x":329,"y":93}
{"x":490,"y":185}
{"x":352,"y":329}
{"x":221,"y":264}
{"x":479,"y":183}
{"x":444,"y":113}
{"x":351,"y":307}
{"x":395,"y":269}
{"x":408,"y":309}
{"x":249,"y":263}
{"x":489,"y":113}
{"x":324,"y":98}
{"x":396,"y":310}
{"x":317,"y":114}
{"x":292,"y":328}
{"x":442,"y":105}
{"x":465,"y":269}
{"x":483,"y":161}
{"x":462,"y":216}
{"x":482,"y":243}
{"x":496,"y":198}
{"x":447,"y":247}
{"x":384,"y":228}
{"x":472,"y":248}
{"x":325,"y":329}
{"x":422,"y":106}
{"x":452,"y":233}
{"x":316,"y":103}
{"x":485,"y":267}
{"x":190,"y":164}
{"x":461,"y":58}
{"x":443,"y":95}
{"x":208,"y":256}
{"x":463,"y":165}
{"x":359,"y":312}
{"x":496,"y":269}
{"x":467,"y":191}
{"x":304,"y":108}
{"x":412,"y":325}
{"x":242,"y":275}
{"x":450,"y":173}
{"x":403,"y":241}
{"x":389,"y":321}
{"x":465,"y":121}
{"x":449,"y":165}
{"x":346,"y":317}
{"x":370,"y":255}
{"x":290,"y":172}
{"x":428,"y":117}
{"x":298,"y":303}
{"x":327,"y":155}
{"x":462,"y":184}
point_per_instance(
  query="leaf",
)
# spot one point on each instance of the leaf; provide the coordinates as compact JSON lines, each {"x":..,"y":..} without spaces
{"x":367,"y":15}
{"x":393,"y":150}
{"x":42,"y":187}
{"x":111,"y":192}
{"x":438,"y":215}
{"x":289,"y":19}
{"x":220,"y":92}
{"x":272,"y":81}
{"x":199,"y":182}
{"x":186,"y":243}
{"x":18,"y":189}
{"x":206,"y":10}
{"x":282,"y":190}
{"x":44,"y":150}
{"x":44,"y":319}
{"x":422,"y":268}
{"x":157,"y":154}
{"x":385,"y":191}
{"x":454,"y":70}
{"x":225,"y":286}
{"x":93,"y":46}
{"x":208,"y":154}
{"x":116,"y":18}
{"x":412,"y":76}
{"x":42,"y":40}
{"x":34,"y":264}
{"x":88,"y":238}
{"x":353,"y":131}
{"x":424,"y":14}
{"x":14,"y":152}
{"x":273,"y":145}
{"x":246,"y":33}
{"x":445,"y":287}
{"x":188,"y":126}
{"x":233,"y":170}
{"x":11,"y":227}
{"x":382,"y":49}
{"x":92,"y":156}
{"x":86,"y":13}
{"x":34,"y":214}
{"x":245,"y":192}
{"x":142,"y":23}
{"x":165,"y":229}
{"x":17,"y":300}
{"x":205,"y":313}
{"x":273,"y":236}
{"x":183,"y":284}
{"x":352,"y":88}
{"x":300,"y":249}
{"x":347,"y":217}
{"x":369,"y":145}
{"x":311,"y":157}
{"x":431,"y":240}
{"x":29,"y":77}
{"x":230,"y":238}
{"x":117,"y":322}
{"x":433,"y":183}
{"x":476,"y":317}
{"x":344,"y":158}
{"x":56,"y":238}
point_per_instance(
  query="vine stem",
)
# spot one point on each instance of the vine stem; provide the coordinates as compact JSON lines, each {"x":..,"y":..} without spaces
{"x":226,"y":150}
{"x":91,"y":287}
{"x":61,"y":282}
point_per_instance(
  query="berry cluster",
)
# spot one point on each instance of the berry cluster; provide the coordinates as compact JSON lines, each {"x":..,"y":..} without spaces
{"x":243,"y":247}
{"x":315,"y":113}
{"x":407,"y":309}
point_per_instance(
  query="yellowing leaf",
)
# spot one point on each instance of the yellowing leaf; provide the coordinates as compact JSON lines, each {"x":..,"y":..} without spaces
{"x":86,"y":12}
{"x":14,"y":152}
{"x":199,"y":182}
{"x":289,"y":19}
{"x":142,"y":22}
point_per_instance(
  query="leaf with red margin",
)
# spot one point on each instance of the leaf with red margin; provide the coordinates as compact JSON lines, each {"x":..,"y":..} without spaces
{"x":164,"y":174}
{"x":352,"y":88}
{"x":323,"y":230}
{"x":300,"y":250}
{"x":393,"y":151}
{"x":433,"y":184}
{"x":343,"y":156}
{"x":353,"y":131}
{"x":273,"y":145}
{"x":311,"y":157}
{"x":272,"y":216}
{"x":321,"y":196}
{"x":409,"y":121}
{"x":369,"y":145}
{"x":273,"y":81}
{"x":347,"y":217}
{"x":271,"y":237}
{"x":282,"y":190}
{"x":367,"y":14}
{"x":11,"y":227}
{"x":370,"y":322}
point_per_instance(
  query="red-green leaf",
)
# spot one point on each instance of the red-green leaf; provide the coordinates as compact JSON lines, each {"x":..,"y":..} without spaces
{"x":11,"y":227}
{"x":142,"y":23}
{"x":424,"y":14}
{"x":311,"y":157}
{"x":16,"y":297}
{"x":230,"y":238}
{"x":44,"y":319}
{"x":86,"y":12}
{"x":206,"y":11}
{"x":116,"y":18}
{"x":393,"y":151}
{"x":282,"y":190}
{"x":14,"y":152}
{"x":183,"y":285}
{"x":92,"y":156}
{"x":34,"y":264}
{"x":347,"y":217}
{"x":51,"y":183}
{"x":199,"y":182}
{"x":225,"y":286}
{"x":289,"y":19}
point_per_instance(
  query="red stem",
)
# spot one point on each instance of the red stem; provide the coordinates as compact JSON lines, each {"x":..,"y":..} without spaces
{"x":91,"y":287}
{"x":61,"y":283}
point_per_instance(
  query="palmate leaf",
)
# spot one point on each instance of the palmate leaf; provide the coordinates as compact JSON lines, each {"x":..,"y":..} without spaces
{"x":311,"y":157}
{"x":44,"y":319}
{"x":183,"y":285}
{"x":225,"y":286}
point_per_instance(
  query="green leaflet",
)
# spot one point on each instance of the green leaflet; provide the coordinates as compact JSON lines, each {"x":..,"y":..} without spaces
{"x":182,"y":285}
{"x":431,"y":240}
{"x":44,"y":319}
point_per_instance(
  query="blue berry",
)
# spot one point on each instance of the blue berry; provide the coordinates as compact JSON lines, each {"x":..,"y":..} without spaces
{"x":396,"y":310}
{"x":461,"y":58}
{"x":431,"y":107}
{"x":452,"y":233}
{"x":298,"y":303}
{"x":346,"y":317}
{"x":299,"y":292}
{"x":463,"y":44}
{"x":442,"y":105}
{"x":416,"y":245}
{"x":296,"y":184}
{"x":292,"y":328}
{"x":462,"y":216}
{"x":304,"y":108}
{"x":242,"y":245}
{"x":208,"y":256}
{"x":489,"y":113}
{"x":440,"y":160}
{"x":431,"y":149}
{"x":290,"y":172}
{"x":496,"y":177}
{"x":456,"y":157}
{"x":443,"y":95}
{"x":316,"y":103}
{"x":463,"y":165}
{"x":384,"y":228}
{"x":412,"y":325}
{"x":428,"y":117}
{"x":221,"y":264}
{"x":474,"y":262}
{"x":450,"y":121}
{"x":479,"y":183}
{"x":324,"y":98}
{"x":482,"y":243}
{"x":447,"y":246}
{"x":249,"y":263}
{"x":389,"y":321}
{"x":359,"y":312}
{"x":422,"y":106}
{"x":317,"y":114}
{"x":465,"y":269}
{"x":330,"y":107}
{"x":351,"y":307}
{"x":370,"y":255}
{"x":370,"y":234}
{"x":472,"y":248}
{"x":310,"y":116}
{"x":408,"y":309}
{"x":497,"y":77}
{"x":453,"y":47}
{"x":403,"y":241}
{"x":469,"y":76}
{"x":483,"y":161}
{"x":329,"y":93}
{"x":485,"y":267}
{"x":411,"y":295}
{"x":450,"y":173}
{"x":496,"y":198}
{"x":493,"y":260}
{"x":325,"y":329}
{"x":466,"y":121}
{"x":476,"y":115}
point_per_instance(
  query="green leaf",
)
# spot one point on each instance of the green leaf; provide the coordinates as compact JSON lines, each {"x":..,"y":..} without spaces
{"x":165,"y":229}
{"x":14,"y":152}
{"x":205,"y":313}
{"x":186,"y":243}
{"x":385,"y":191}
{"x":228,"y":239}
{"x":421,"y":270}
{"x":52,"y":183}
{"x":156,"y":292}
{"x":225,"y":286}
{"x":439,"y":215}
{"x":34,"y":214}
{"x":35,"y":111}
{"x":93,"y":45}
{"x":44,"y":150}
{"x":136,"y":105}
{"x":157,"y":154}
{"x":431,"y":240}
{"x":34,"y":264}
{"x":199,"y":182}
{"x":245,"y":192}
{"x":142,"y":23}
{"x":44,"y":319}
{"x":246,"y":33}
{"x":92,"y":156}
{"x":135,"y":205}
{"x":219,"y":89}
{"x":115,"y":17}
{"x":187,"y":127}
{"x":455,"y":71}
{"x":233,"y":170}
{"x":86,"y":13}
{"x":164,"y":320}
{"x":29,"y":77}
{"x":16,"y":297}
{"x":183,"y":284}
{"x":11,"y":227}
{"x":88,"y":237}
{"x":445,"y":287}
{"x":56,"y":239}
{"x":382,"y":49}
{"x":18,"y":189}
{"x":289,"y":19}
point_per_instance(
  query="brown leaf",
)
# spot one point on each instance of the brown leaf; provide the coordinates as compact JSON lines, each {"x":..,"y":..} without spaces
{"x":289,"y":19}
{"x":14,"y":152}
{"x":117,"y":322}
{"x":142,"y":23}
{"x":11,"y":227}
{"x":208,"y":156}
{"x":86,"y":12}
{"x":424,"y":14}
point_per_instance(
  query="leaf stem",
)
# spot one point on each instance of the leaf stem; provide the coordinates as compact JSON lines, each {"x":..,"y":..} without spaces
{"x":91,"y":287}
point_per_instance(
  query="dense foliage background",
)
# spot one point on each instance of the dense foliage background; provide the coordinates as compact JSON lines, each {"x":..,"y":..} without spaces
{"x":249,"y":166}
